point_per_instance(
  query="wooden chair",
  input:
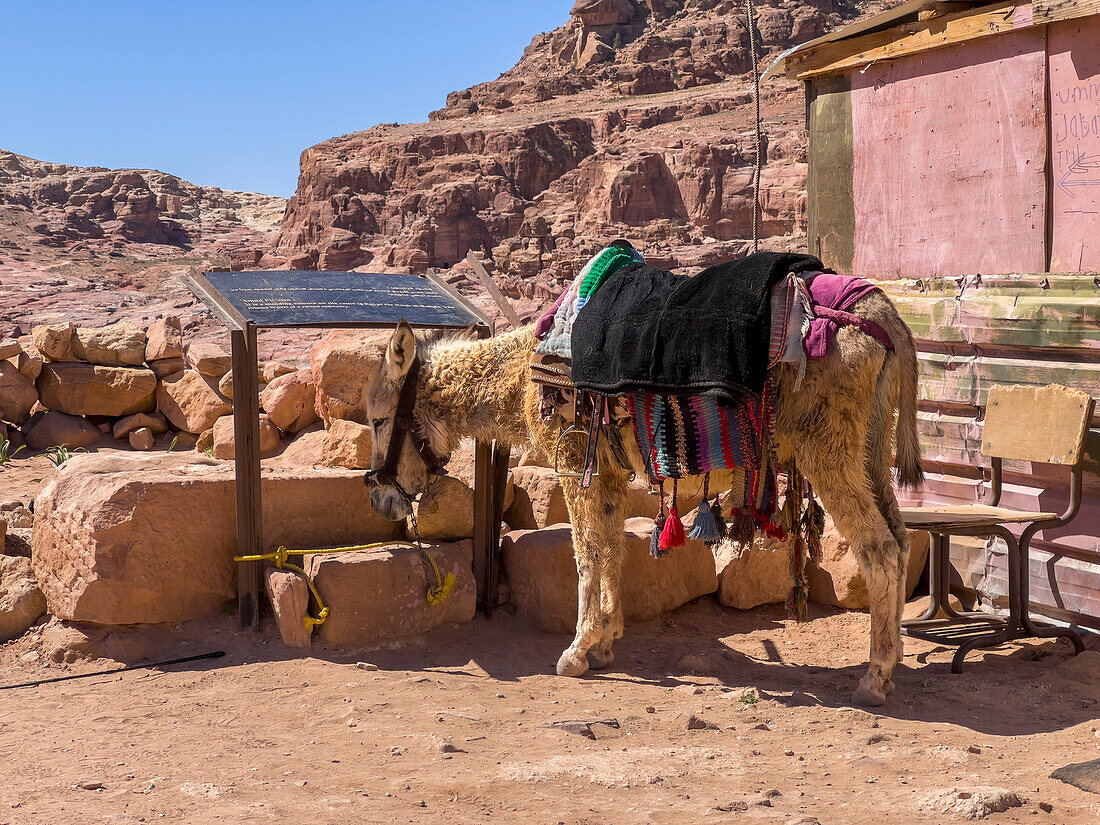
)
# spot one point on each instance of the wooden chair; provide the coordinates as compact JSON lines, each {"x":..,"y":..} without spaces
{"x":1045,"y":425}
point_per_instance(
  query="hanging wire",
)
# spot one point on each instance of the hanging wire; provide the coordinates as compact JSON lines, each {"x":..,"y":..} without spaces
{"x":756,"y":212}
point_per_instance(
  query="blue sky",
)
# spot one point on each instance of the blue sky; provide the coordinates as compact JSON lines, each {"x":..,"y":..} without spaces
{"x":229,"y":93}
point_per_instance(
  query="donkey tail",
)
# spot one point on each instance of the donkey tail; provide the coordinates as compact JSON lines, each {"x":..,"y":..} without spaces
{"x":910,"y":471}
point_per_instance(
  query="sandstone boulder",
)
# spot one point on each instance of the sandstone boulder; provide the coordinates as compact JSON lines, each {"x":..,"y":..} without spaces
{"x":305,"y":450}
{"x":381,"y":594}
{"x":446,"y":510}
{"x":112,"y":545}
{"x":142,"y":439}
{"x":204,"y":441}
{"x":270,"y":370}
{"x":837,"y":580}
{"x":538,"y":501}
{"x":753,"y":574}
{"x":54,"y":341}
{"x":164,"y":367}
{"x":55,"y":428}
{"x":290,"y":401}
{"x":29,"y":362}
{"x":209,"y":359}
{"x":154,"y":422}
{"x":289,"y":597}
{"x":225,"y":385}
{"x":21,"y":602}
{"x":542,"y":575}
{"x":91,"y":389}
{"x":10,"y":348}
{"x":342,"y":366}
{"x":347,"y":444}
{"x":17,"y":394}
{"x":191,"y":401}
{"x":225,"y":440}
{"x":118,"y":345}
{"x":164,"y":340}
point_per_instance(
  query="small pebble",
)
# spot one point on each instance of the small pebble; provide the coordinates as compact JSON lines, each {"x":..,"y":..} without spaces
{"x":973,"y":749}
{"x":1046,"y":807}
{"x":650,"y":709}
{"x":366,"y":666}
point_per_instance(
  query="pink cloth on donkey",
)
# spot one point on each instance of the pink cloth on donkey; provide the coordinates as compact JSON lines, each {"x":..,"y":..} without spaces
{"x":833,"y":297}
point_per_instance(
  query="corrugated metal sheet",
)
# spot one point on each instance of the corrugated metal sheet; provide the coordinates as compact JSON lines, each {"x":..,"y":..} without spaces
{"x":1009,"y":329}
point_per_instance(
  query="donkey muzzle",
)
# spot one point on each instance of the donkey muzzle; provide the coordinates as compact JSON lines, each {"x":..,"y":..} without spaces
{"x":389,"y":503}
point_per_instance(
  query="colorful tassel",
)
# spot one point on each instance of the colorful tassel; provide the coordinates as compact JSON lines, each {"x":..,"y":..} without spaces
{"x":704,"y":527}
{"x":655,"y":537}
{"x":658,"y":527}
{"x":672,"y":536}
{"x":743,"y":527}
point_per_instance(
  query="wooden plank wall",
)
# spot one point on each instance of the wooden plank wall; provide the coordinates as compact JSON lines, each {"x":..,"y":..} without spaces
{"x":947,"y":160}
{"x":1015,"y":329}
{"x":1074,"y":55}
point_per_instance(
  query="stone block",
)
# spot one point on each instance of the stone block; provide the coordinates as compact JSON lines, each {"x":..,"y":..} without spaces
{"x":209,"y":359}
{"x":131,"y":538}
{"x":17,"y":394}
{"x":92,"y":389}
{"x":538,"y":500}
{"x":21,"y":602}
{"x":347,"y":444}
{"x":753,"y":574}
{"x":290,"y":401}
{"x":154,"y":422}
{"x":289,"y":597}
{"x":378,"y":595}
{"x":142,"y":439}
{"x":305,"y":450}
{"x":837,"y":580}
{"x":118,"y":345}
{"x":164,"y":339}
{"x":191,"y":401}
{"x":342,"y":366}
{"x":542,"y":575}
{"x":10,"y":348}
{"x":53,"y":428}
{"x":225,"y":440}
{"x":446,"y":510}
{"x":54,"y":341}
{"x":164,"y":367}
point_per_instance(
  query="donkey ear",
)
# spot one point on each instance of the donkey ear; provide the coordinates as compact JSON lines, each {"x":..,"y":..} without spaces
{"x":400,"y":352}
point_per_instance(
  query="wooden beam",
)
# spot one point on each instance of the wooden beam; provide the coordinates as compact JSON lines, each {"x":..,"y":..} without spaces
{"x":493,"y":290}
{"x":910,"y":38}
{"x":1050,"y":11}
{"x":246,"y":437}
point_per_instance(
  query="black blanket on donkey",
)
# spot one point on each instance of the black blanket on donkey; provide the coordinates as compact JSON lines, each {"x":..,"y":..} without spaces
{"x":647,"y":329}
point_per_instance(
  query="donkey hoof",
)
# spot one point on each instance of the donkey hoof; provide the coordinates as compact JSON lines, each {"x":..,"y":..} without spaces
{"x":600,"y":659}
{"x":866,"y":697}
{"x":570,"y":665}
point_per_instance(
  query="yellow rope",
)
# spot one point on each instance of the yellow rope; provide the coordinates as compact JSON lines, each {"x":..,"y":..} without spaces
{"x":436,"y":594}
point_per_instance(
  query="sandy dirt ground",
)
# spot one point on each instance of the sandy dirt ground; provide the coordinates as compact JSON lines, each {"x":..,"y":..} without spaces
{"x":468,"y":724}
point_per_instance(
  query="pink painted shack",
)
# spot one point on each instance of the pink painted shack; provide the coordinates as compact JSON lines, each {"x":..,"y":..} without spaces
{"x":954,"y":156}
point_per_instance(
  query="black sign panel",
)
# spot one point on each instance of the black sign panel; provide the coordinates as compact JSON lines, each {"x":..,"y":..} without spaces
{"x":331,"y":299}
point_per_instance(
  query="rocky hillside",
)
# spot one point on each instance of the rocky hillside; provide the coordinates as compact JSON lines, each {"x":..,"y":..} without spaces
{"x":89,"y":243}
{"x":633,"y":119}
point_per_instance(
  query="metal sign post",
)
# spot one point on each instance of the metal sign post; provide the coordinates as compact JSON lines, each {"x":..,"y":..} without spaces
{"x":248,"y":301}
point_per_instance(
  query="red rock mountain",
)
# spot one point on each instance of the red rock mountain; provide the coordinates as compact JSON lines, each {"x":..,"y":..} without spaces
{"x":86,"y":244}
{"x":633,"y":119}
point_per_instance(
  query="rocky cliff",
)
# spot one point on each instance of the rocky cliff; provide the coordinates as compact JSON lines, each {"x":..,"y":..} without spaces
{"x":87,"y":244}
{"x":633,"y":119}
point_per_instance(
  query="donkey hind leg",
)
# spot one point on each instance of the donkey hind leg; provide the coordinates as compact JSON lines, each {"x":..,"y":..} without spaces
{"x":846,"y":493}
{"x":879,"y":439}
{"x":587,"y":550}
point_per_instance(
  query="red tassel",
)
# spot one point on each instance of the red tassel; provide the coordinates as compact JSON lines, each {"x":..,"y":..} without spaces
{"x":673,"y":533}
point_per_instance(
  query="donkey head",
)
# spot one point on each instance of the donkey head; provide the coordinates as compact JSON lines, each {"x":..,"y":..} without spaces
{"x":396,"y":481}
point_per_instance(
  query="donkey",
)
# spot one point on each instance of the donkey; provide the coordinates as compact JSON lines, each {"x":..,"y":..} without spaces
{"x":838,"y":427}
